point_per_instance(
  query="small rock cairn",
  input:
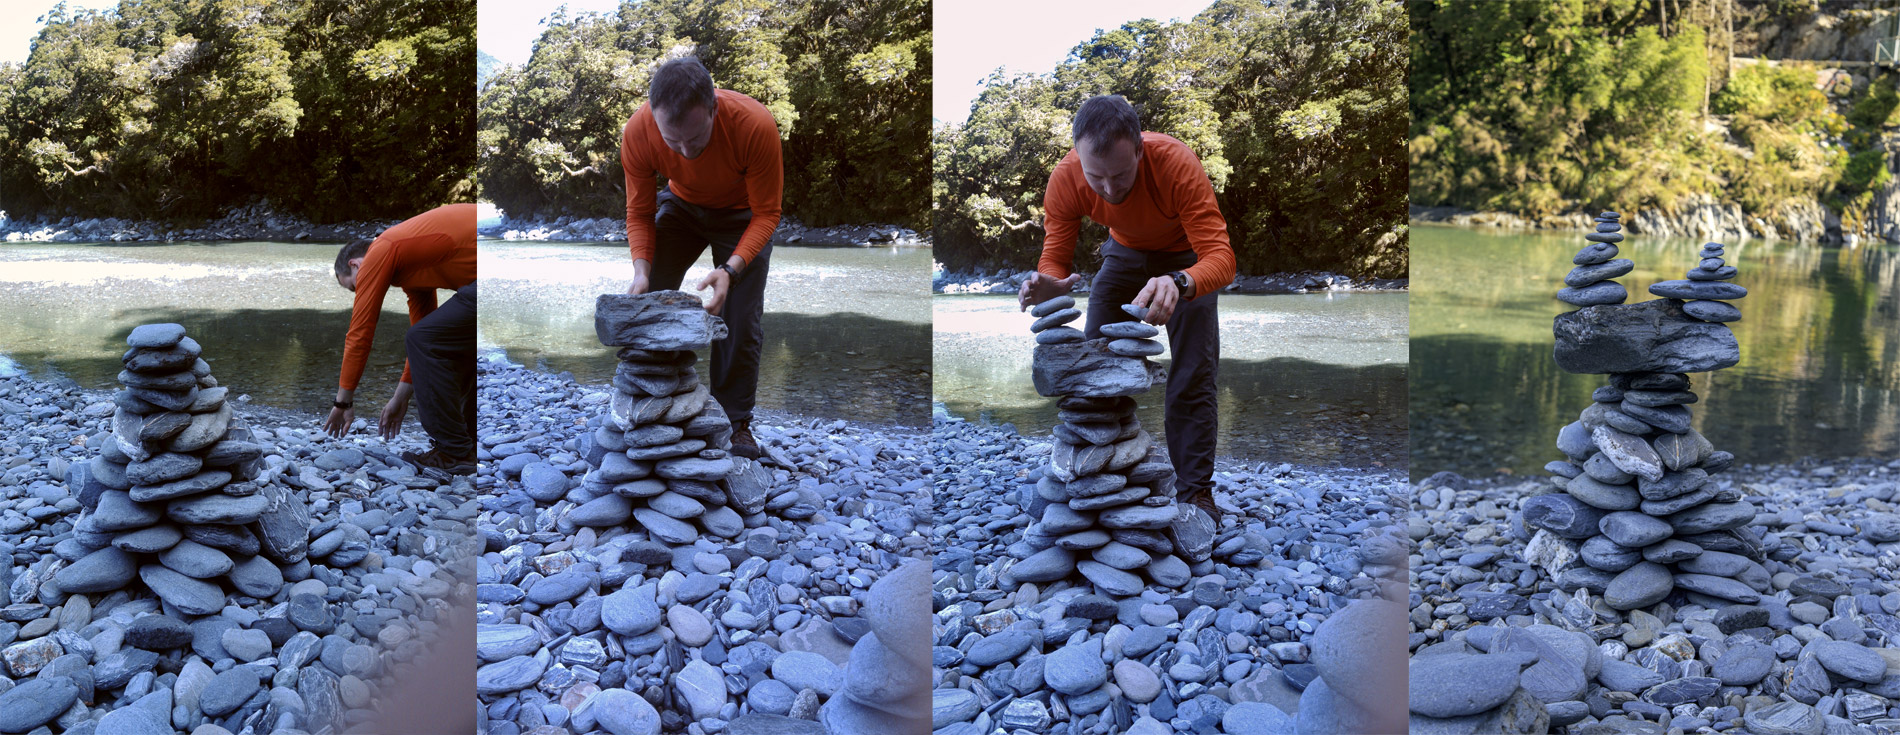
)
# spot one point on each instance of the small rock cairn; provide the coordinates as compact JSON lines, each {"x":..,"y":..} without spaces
{"x":1105,"y":502}
{"x":887,"y":680}
{"x":660,"y":457}
{"x":1635,"y":517}
{"x":169,"y":499}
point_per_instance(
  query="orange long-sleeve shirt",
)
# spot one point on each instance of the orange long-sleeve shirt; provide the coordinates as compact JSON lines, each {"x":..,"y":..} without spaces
{"x":741,"y":167}
{"x":1172,"y":207}
{"x":432,"y":250}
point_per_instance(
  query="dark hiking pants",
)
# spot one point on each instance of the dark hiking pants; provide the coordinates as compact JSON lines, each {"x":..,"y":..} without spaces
{"x":1194,"y":343}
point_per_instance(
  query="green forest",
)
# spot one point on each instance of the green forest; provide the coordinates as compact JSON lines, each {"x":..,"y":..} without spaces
{"x":1296,"y":109}
{"x":847,"y":80}
{"x":177,"y":109}
{"x":1538,"y":107}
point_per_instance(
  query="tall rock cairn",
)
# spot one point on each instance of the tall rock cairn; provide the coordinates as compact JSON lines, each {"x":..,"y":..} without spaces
{"x":1635,"y":517}
{"x":169,"y":499}
{"x":660,"y":457}
{"x":1105,"y":502}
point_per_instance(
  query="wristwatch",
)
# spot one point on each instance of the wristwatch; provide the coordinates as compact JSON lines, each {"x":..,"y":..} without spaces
{"x":343,"y":404}
{"x":729,"y":271}
{"x":1180,"y":281}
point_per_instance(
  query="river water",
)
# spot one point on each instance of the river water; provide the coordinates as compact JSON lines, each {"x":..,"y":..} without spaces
{"x":847,"y":330}
{"x":1312,"y":379}
{"x":269,"y":315}
{"x":1820,"y":339}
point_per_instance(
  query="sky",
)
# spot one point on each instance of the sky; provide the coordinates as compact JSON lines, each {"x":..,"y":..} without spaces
{"x":19,"y":23}
{"x":972,"y":40}
{"x":507,"y":29}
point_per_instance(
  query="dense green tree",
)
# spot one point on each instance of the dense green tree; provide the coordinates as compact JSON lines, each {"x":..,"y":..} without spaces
{"x":848,"y":82}
{"x":1543,"y":107}
{"x":177,"y":109}
{"x":1296,"y":110}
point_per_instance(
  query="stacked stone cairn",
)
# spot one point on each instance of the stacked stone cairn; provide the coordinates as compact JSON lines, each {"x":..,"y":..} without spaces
{"x":1636,"y":517}
{"x":169,"y":501}
{"x":887,"y":680}
{"x":660,"y":456}
{"x":1105,"y":502}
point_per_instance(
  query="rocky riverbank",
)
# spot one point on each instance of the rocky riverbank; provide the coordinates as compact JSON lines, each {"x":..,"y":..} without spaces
{"x":1814,"y":653}
{"x":1008,"y":281}
{"x":258,"y":221}
{"x":1243,"y":646}
{"x":1699,"y":216}
{"x":584,"y":628}
{"x":342,"y":635}
{"x":790,"y":232}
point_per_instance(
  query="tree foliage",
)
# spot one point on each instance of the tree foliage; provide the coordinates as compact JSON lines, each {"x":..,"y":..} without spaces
{"x":1297,"y":111}
{"x":847,"y":80}
{"x":177,"y":109}
{"x":1542,"y":107}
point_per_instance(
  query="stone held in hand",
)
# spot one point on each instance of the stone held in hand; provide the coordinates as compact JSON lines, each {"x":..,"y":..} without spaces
{"x":655,"y":321}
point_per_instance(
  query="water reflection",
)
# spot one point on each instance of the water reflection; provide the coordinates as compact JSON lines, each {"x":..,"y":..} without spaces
{"x":847,"y":330}
{"x":1309,"y":379}
{"x":269,"y":315}
{"x":1820,"y":340}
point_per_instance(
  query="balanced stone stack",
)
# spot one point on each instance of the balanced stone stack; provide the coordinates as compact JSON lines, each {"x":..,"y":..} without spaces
{"x":1590,"y":284}
{"x":660,"y":457}
{"x":169,"y":499}
{"x":887,"y":679}
{"x":1105,"y":502}
{"x":1705,"y":288}
{"x":1637,"y":516}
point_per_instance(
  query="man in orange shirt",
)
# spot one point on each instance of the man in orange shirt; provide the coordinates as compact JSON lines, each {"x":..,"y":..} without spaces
{"x":1167,"y":251}
{"x":719,"y":152}
{"x":432,"y":250}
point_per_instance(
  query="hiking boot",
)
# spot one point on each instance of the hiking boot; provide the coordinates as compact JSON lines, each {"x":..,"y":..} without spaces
{"x":436,"y":459}
{"x":1204,"y":499}
{"x":743,"y":444}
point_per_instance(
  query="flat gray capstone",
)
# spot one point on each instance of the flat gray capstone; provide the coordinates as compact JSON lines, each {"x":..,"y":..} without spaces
{"x":1649,"y":337}
{"x":1089,"y":369}
{"x":658,"y":320}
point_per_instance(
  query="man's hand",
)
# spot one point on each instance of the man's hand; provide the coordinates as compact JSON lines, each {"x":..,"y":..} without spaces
{"x":390,"y":423}
{"x":1039,"y":288}
{"x":720,"y":282}
{"x":339,"y":421}
{"x":639,"y":285}
{"x":1160,"y":296}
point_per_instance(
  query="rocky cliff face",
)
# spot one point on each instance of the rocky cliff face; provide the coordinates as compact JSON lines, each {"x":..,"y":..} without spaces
{"x":1849,"y":35}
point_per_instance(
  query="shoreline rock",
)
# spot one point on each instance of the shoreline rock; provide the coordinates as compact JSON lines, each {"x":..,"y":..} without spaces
{"x":584,"y":627}
{"x":256,"y":221}
{"x":611,"y":229}
{"x":1240,"y":647}
{"x":341,"y":635}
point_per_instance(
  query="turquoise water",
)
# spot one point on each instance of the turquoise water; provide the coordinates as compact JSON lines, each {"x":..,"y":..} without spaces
{"x":1820,"y":340}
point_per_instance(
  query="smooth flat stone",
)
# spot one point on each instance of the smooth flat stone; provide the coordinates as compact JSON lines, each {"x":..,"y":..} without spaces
{"x":1135,"y":347}
{"x":1602,"y":293}
{"x":1052,"y":306}
{"x":1059,"y":335}
{"x":1585,"y":275}
{"x":1712,"y":311}
{"x":1055,"y":320}
{"x":1130,"y":330}
{"x":1594,"y":253}
{"x":1698,"y":290}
